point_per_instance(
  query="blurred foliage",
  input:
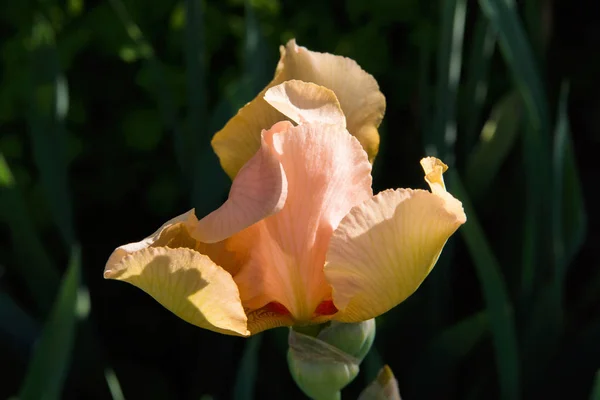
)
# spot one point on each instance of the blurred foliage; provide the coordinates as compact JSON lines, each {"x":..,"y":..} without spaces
{"x":106,"y":114}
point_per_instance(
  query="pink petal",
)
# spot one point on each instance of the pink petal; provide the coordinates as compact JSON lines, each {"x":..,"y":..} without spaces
{"x":259,"y":190}
{"x":327,"y":173}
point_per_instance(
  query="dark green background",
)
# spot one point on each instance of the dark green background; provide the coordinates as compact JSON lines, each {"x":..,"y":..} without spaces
{"x":504,"y":313}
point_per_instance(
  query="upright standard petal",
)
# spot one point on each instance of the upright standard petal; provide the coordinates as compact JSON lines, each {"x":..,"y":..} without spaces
{"x":305,"y":102}
{"x":357,"y":91}
{"x":384,"y":248}
{"x":328,"y":173}
{"x":259,"y":190}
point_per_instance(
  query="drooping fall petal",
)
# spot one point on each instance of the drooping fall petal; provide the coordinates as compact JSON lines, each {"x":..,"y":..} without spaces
{"x":384,"y":248}
{"x":361,"y":101}
{"x":187,"y":283}
{"x":183,"y":275}
{"x":259,"y":190}
{"x":328,"y":173}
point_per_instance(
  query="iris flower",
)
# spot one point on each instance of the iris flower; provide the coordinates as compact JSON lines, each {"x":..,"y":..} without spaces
{"x":301,"y":238}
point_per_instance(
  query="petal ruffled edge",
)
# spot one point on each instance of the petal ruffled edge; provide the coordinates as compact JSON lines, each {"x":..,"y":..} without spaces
{"x":305,"y":102}
{"x":187,"y":283}
{"x":258,"y":190}
{"x":384,"y":248}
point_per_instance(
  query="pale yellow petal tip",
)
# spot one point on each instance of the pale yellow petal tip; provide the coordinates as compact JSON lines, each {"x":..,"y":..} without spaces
{"x":385,"y":376}
{"x":434,"y":169}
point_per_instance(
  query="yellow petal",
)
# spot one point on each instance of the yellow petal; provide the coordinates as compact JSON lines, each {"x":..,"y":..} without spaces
{"x":188,"y":219}
{"x":305,"y":102}
{"x":384,"y":248}
{"x":357,"y":92}
{"x":188,"y":284}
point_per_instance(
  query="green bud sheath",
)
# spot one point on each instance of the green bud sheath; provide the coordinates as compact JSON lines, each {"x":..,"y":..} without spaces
{"x":323,"y":365}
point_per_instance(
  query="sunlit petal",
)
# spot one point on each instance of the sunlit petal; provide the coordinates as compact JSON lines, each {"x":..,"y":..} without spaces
{"x":328,"y":173}
{"x":356,"y":90}
{"x":384,"y":248}
{"x":305,"y":102}
{"x":259,"y":190}
{"x":188,"y":284}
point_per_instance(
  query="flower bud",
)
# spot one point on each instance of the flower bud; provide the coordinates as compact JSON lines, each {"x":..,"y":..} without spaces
{"x":323,"y":365}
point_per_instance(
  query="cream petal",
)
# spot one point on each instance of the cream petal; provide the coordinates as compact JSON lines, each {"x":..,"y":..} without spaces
{"x":259,"y":190}
{"x":384,"y":248}
{"x":328,"y":173}
{"x":305,"y":102}
{"x":357,"y":92}
{"x":187,"y":219}
{"x":187,"y":283}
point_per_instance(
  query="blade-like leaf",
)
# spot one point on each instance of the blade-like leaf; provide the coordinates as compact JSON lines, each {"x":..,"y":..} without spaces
{"x":569,"y":215}
{"x":245,"y":380}
{"x":163,"y":92}
{"x":51,"y":358}
{"x":17,"y":327}
{"x":595,"y":395}
{"x":499,"y":309}
{"x":476,"y":86}
{"x":33,"y":264}
{"x":440,"y":141}
{"x":49,"y":104}
{"x":519,"y":57}
{"x":444,"y":354}
{"x":496,"y":140}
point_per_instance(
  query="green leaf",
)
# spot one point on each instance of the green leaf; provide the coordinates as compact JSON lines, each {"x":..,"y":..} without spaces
{"x":33,"y":264}
{"x":495,"y":142}
{"x":595,"y":395}
{"x":444,"y":354}
{"x":476,"y":86}
{"x":49,"y":103}
{"x":568,"y":207}
{"x":163,"y":93}
{"x":50,"y":362}
{"x":498,"y":306}
{"x":517,"y":52}
{"x":16,"y":325}
{"x":440,"y":141}
{"x":245,"y":380}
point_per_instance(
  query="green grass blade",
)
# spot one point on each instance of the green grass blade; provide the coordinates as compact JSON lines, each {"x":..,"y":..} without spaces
{"x":444,"y":354}
{"x":520,"y":58}
{"x":245,"y":380}
{"x":113,"y":384}
{"x":48,"y":107}
{"x":163,"y":92}
{"x":595,"y":395}
{"x":440,"y":141}
{"x":498,"y":306}
{"x":33,"y":263}
{"x":569,"y":215}
{"x":50,"y":362}
{"x":17,"y":327}
{"x":496,"y":141}
{"x":255,"y":73}
{"x":476,"y":85}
